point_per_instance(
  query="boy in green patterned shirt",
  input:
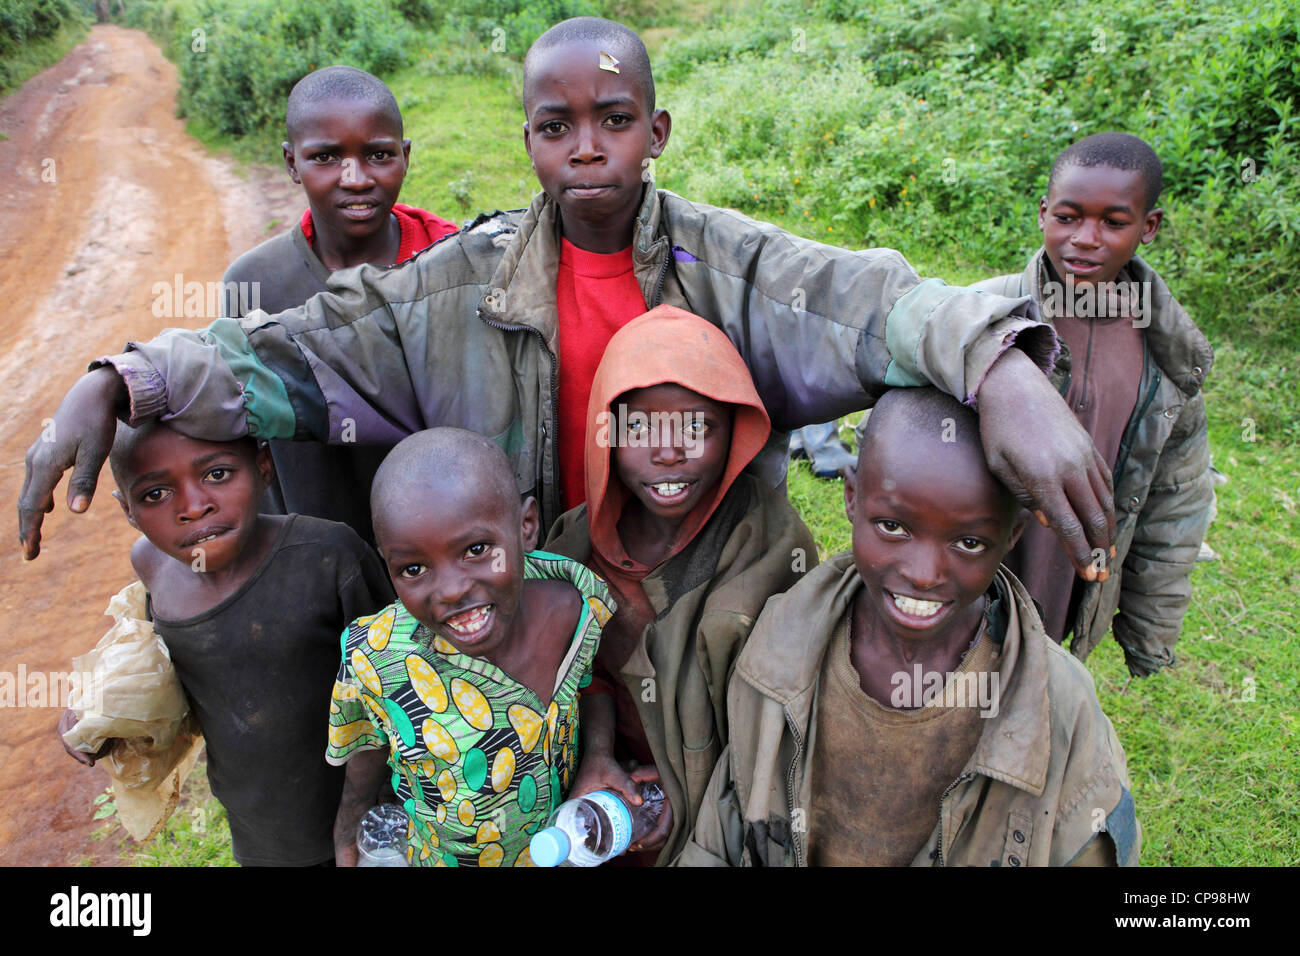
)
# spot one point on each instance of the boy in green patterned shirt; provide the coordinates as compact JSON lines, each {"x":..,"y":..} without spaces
{"x":467,"y":687}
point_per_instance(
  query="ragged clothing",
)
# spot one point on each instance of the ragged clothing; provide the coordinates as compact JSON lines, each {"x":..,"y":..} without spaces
{"x":326,"y":481}
{"x":1046,"y":784}
{"x":1163,"y":490}
{"x":681,"y":623}
{"x":479,"y":761}
{"x":465,"y":335}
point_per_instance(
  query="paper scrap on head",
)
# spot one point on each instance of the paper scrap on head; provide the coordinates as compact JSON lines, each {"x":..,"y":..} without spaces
{"x":608,"y":62}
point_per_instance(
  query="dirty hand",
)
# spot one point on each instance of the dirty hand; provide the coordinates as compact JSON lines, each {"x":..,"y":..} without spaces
{"x":656,"y":838}
{"x":78,"y":437}
{"x":1038,"y":449}
{"x":600,"y":771}
{"x":66,"y":723}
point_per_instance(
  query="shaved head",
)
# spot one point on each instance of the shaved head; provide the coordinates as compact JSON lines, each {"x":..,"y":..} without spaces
{"x":604,"y":35}
{"x":920,"y":418}
{"x":434,"y":464}
{"x":334,"y":84}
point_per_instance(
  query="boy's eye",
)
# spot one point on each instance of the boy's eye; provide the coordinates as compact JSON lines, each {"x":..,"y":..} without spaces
{"x":552,"y":127}
{"x":478,"y":550}
{"x":380,"y":155}
{"x":219,"y":475}
{"x":155,"y":495}
{"x":1062,"y":217}
{"x":409,"y":571}
{"x":890,"y":529}
{"x":971,"y":545}
{"x":617,"y":119}
{"x":697,"y":428}
{"x":322,"y":157}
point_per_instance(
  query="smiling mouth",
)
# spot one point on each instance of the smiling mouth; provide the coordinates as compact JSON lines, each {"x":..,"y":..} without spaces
{"x":669,"y":492}
{"x":915,"y":607}
{"x":469,"y":625}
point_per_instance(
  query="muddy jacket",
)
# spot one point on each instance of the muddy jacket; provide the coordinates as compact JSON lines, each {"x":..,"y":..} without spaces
{"x":465,"y":334}
{"x":1163,"y":490}
{"x":706,"y":600}
{"x":1046,"y":774}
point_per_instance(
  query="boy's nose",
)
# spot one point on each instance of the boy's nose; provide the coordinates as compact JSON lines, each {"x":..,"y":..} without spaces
{"x":667,"y":448}
{"x":587,"y":149}
{"x":1087,"y":234}
{"x":195,"y":505}
{"x":353,"y":174}
{"x":923,"y":568}
{"x":447,"y":591}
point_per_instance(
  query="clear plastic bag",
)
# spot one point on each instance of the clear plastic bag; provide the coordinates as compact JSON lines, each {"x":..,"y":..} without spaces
{"x":134,"y":699}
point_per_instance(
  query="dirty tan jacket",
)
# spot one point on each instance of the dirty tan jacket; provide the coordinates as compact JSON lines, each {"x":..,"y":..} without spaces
{"x":1047,"y":778}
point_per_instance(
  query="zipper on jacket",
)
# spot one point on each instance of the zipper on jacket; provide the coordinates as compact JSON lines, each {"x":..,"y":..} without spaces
{"x":552,"y":489}
{"x":1126,"y":445}
{"x":942,"y":798}
{"x":663,"y":274}
{"x":789,"y":790}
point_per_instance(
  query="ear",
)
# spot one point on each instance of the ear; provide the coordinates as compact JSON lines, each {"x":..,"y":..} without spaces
{"x":850,"y":490}
{"x":1151,"y":224}
{"x":1017,"y":530}
{"x":291,"y":162}
{"x":1042,"y":214}
{"x":530,"y":524}
{"x":126,"y":510}
{"x":265,"y":466}
{"x":528,"y":144}
{"x":661,"y":125}
{"x":406,"y":152}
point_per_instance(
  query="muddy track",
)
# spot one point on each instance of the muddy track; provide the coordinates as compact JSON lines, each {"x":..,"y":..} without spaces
{"x":104,"y":196}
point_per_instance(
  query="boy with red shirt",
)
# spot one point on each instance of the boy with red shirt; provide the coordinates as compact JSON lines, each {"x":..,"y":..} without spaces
{"x":346,"y":150}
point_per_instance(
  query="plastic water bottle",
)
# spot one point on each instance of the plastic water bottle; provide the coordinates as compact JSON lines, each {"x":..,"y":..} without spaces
{"x":596,"y":827}
{"x":381,"y":837}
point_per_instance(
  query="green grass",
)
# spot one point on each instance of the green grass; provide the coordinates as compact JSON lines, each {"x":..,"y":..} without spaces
{"x":34,"y":56}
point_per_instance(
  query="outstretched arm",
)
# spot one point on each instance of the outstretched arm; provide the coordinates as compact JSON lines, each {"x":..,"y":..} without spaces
{"x":825,"y":331}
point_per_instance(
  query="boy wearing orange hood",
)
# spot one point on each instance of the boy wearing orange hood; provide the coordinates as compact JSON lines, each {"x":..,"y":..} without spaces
{"x":691,"y":547}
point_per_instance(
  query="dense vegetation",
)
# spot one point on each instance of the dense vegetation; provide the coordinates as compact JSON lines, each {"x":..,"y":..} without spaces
{"x":929,"y":127}
{"x":36,"y":33}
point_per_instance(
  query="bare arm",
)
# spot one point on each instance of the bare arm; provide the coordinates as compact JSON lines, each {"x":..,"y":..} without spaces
{"x":366,"y":771}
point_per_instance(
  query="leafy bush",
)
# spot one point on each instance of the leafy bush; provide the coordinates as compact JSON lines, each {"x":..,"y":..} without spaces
{"x":30,"y":33}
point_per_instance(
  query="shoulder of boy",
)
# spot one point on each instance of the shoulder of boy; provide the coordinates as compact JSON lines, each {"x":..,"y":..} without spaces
{"x":264,"y":258}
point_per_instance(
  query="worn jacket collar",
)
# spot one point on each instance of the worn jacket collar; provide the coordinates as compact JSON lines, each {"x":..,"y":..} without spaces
{"x":521,"y":291}
{"x":1176,"y":344}
{"x":1014,"y":746}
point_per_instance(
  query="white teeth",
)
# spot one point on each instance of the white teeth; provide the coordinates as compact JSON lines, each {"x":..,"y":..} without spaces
{"x":669,"y":488}
{"x":915,"y":606}
{"x":471,"y":622}
{"x":205,"y":540}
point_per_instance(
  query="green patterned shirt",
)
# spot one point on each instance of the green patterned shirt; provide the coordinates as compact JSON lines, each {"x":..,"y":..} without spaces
{"x":479,"y":762}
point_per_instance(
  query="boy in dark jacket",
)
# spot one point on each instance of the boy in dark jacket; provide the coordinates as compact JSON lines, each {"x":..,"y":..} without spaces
{"x":1131,"y":369}
{"x":691,"y":547}
{"x":346,"y":149}
{"x":499,"y":328}
{"x":901,"y":705}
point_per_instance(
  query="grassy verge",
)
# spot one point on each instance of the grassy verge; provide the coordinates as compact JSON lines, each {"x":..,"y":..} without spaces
{"x":32,"y":57}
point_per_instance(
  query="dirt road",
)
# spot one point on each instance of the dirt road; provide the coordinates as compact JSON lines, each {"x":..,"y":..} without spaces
{"x":103,"y":196}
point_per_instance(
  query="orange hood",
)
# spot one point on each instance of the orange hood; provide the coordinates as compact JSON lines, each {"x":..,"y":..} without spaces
{"x":668,"y":345}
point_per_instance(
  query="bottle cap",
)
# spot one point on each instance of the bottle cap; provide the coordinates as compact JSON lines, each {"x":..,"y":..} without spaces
{"x":549,"y":847}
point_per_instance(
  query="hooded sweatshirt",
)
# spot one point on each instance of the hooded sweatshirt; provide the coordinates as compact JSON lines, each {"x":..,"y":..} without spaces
{"x":666,"y":652}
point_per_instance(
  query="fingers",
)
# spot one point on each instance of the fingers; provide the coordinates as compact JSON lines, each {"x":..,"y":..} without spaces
{"x":36,"y":499}
{"x":1104,"y":489}
{"x":85,"y":476}
{"x":657,"y":837}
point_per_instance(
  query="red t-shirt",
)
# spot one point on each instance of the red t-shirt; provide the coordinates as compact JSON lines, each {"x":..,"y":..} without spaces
{"x":596,"y":294}
{"x":420,"y":229}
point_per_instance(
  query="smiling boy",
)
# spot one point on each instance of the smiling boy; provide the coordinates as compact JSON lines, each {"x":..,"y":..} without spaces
{"x":345,"y":147}
{"x":691,"y":546}
{"x":467,"y":686}
{"x":1131,"y":370}
{"x":835,"y":761}
{"x":256,"y":667}
{"x":499,"y":328}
